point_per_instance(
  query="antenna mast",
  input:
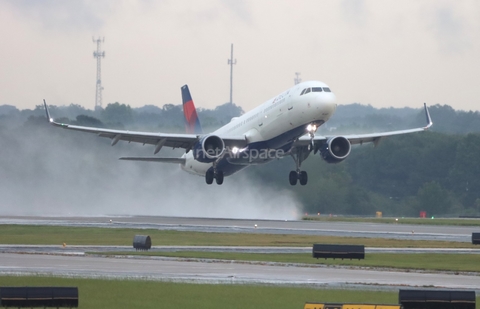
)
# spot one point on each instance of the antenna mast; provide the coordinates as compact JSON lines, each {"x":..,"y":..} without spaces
{"x":231,"y":62}
{"x":99,"y":55}
{"x":297,"y":79}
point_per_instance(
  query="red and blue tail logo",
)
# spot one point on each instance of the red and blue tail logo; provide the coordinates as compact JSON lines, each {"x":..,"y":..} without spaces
{"x":192,"y":123}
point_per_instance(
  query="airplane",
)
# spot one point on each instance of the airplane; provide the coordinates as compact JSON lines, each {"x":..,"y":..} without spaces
{"x":283,"y":126}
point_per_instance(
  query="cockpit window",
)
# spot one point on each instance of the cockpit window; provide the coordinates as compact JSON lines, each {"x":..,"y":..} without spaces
{"x":315,"y":89}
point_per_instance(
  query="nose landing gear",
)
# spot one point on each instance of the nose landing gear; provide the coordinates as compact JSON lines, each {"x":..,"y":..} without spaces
{"x":299,"y":155}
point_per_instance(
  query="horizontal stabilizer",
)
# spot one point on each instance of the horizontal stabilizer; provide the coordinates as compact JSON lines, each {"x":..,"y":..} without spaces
{"x":155,"y":159}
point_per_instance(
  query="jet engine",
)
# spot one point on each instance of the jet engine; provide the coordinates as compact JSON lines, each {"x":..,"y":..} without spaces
{"x":335,"y":149}
{"x":208,"y":149}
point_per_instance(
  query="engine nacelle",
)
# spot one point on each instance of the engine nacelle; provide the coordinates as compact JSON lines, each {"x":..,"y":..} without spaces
{"x":208,"y":149}
{"x":336,"y":149}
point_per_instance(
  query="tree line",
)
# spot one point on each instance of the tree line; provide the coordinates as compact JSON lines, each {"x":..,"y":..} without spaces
{"x":121,"y":116}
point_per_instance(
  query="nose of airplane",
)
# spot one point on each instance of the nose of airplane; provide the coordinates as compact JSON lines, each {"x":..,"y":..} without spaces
{"x":326,"y":104}
{"x":330,"y":101}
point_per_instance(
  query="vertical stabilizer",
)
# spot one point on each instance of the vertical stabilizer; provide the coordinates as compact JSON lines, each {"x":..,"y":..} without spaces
{"x":192,"y":123}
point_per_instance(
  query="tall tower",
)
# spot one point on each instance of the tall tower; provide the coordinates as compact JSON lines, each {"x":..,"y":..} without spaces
{"x":99,"y":55}
{"x":297,"y":79}
{"x":231,"y":62}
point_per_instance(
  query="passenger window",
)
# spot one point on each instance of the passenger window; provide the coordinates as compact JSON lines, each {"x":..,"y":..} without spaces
{"x":326,"y":89}
{"x":317,"y":89}
{"x":307,"y":90}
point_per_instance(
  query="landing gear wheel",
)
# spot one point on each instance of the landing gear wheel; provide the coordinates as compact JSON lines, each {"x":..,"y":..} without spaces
{"x":303,"y":177}
{"x":299,"y":154}
{"x":209,"y":177}
{"x":293,"y":177}
{"x":219,"y":177}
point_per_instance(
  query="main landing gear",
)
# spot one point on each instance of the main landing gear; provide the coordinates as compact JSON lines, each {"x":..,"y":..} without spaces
{"x":211,"y":174}
{"x":298,"y":175}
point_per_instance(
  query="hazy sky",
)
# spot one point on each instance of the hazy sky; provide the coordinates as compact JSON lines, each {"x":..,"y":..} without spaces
{"x":384,"y":53}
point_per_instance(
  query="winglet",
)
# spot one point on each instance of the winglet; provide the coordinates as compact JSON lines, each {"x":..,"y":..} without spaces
{"x":46,"y":111}
{"x":429,"y":119}
{"x":50,"y":119}
{"x":192,"y":123}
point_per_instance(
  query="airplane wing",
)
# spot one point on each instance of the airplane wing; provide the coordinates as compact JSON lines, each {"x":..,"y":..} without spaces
{"x":185,"y":141}
{"x":156,"y":159}
{"x":366,"y":138}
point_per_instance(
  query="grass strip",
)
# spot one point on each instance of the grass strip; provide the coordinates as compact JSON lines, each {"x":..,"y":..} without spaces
{"x":415,"y":261}
{"x":57,"y":235}
{"x":112,"y":294}
{"x":109,"y":294}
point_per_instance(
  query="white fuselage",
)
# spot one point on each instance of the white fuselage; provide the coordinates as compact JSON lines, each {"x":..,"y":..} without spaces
{"x":274,"y":121}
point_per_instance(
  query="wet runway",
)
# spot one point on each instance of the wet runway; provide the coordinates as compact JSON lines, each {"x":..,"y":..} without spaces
{"x":226,"y":272}
{"x":72,"y":261}
{"x":82,"y":250}
{"x":346,"y":229}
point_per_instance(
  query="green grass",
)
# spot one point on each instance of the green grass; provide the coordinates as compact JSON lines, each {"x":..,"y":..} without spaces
{"x":97,"y":293}
{"x":419,"y":261}
{"x":113,"y":294}
{"x":106,"y":294}
{"x":391,"y":220}
{"x":52,"y":235}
